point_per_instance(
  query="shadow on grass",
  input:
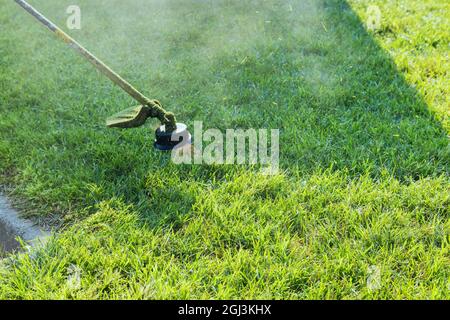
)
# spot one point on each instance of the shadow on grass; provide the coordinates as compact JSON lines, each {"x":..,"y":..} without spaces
{"x":337,"y":98}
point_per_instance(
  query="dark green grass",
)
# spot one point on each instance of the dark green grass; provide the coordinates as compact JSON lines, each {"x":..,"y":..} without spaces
{"x":364,"y":151}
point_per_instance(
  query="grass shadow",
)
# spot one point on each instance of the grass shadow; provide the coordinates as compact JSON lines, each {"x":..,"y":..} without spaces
{"x":336,"y":95}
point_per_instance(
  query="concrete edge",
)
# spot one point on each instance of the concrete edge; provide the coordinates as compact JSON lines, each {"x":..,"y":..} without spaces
{"x":23,"y":228}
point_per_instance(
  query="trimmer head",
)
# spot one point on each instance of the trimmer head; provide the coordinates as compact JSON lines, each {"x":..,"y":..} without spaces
{"x":169,"y":140}
{"x":130,"y":118}
{"x":137,"y":116}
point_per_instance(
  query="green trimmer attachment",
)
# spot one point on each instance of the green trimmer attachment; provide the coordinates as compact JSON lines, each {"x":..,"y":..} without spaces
{"x":130,"y":118}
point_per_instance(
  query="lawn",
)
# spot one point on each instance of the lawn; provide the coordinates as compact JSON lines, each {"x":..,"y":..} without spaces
{"x":364,"y":151}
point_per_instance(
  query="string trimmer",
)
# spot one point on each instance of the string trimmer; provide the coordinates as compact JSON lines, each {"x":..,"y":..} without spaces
{"x":132,"y":117}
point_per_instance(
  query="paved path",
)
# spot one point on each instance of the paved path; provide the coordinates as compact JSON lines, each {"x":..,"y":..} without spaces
{"x":12,"y":226}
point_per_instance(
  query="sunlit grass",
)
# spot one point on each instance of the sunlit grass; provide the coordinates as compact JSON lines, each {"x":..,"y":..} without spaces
{"x":364,"y":151}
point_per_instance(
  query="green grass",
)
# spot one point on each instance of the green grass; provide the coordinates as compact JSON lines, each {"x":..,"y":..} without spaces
{"x":364,"y":151}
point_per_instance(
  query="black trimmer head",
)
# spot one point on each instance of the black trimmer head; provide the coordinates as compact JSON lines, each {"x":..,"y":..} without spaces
{"x":169,"y":140}
{"x":137,"y":116}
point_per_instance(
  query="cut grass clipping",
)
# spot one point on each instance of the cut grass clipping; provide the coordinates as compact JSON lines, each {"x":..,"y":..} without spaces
{"x":359,"y":210}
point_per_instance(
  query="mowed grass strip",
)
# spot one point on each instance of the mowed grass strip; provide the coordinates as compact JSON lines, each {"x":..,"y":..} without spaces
{"x":248,"y":239}
{"x":364,"y":151}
